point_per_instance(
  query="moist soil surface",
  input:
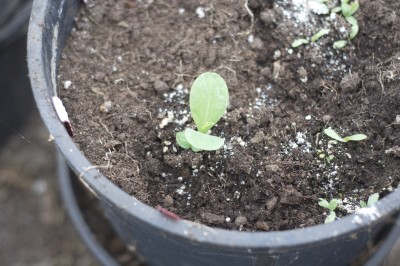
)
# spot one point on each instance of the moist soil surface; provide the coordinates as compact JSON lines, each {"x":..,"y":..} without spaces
{"x":125,"y":79}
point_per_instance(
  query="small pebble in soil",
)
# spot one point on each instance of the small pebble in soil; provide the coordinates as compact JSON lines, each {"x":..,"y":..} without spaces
{"x":227,"y":219}
{"x":67,"y":84}
{"x":308,"y":117}
{"x":240,"y":221}
{"x":160,"y":86}
{"x":262,"y":226}
{"x":105,"y":107}
{"x":167,"y":120}
{"x":200,"y":12}
{"x":212,"y":218}
{"x":236,"y":194}
{"x":397,"y":121}
{"x":326,"y":118}
{"x":277,"y":54}
{"x":181,"y":11}
{"x":181,"y":190}
{"x":168,"y":201}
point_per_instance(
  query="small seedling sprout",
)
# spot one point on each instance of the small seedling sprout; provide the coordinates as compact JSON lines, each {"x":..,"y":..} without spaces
{"x":347,"y":8}
{"x":319,"y":34}
{"x":339,"y":44}
{"x":318,"y":7}
{"x":332,"y":134}
{"x":208,"y":102}
{"x":371,"y":201}
{"x":354,"y":27}
{"x":299,"y":42}
{"x":331,"y":206}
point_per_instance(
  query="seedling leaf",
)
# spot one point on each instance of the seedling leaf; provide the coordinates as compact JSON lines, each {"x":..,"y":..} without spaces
{"x":208,"y":100}
{"x":201,"y":141}
{"x":354,"y":27}
{"x":331,"y":217}
{"x":352,"y":20}
{"x":323,"y":203}
{"x":333,"y":204}
{"x":182,"y":141}
{"x":318,"y":7}
{"x":336,"y":9}
{"x":363,"y":204}
{"x":356,"y":137}
{"x":332,"y":134}
{"x":319,"y":34}
{"x":339,"y":44}
{"x":372,"y":199}
{"x":299,"y":42}
{"x":349,"y":9}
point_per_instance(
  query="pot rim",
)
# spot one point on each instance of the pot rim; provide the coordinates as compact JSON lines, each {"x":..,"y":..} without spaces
{"x":44,"y":88}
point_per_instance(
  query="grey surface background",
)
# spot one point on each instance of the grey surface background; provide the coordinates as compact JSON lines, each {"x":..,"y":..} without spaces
{"x":34,"y":227}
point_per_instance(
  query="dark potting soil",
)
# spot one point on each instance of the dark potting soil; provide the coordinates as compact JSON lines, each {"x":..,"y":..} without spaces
{"x":125,"y":79}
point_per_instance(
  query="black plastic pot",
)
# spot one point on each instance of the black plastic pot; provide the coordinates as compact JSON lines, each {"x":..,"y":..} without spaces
{"x":164,"y":241}
{"x":15,"y":93}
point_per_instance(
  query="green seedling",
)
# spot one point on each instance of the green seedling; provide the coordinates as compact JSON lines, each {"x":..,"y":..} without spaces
{"x":323,"y":156}
{"x":339,"y":44}
{"x":354,"y":27}
{"x":331,"y":206}
{"x":299,"y":42}
{"x":208,"y":101}
{"x":371,"y":201}
{"x":347,"y":8}
{"x":319,"y":7}
{"x":332,"y":134}
{"x":319,"y":34}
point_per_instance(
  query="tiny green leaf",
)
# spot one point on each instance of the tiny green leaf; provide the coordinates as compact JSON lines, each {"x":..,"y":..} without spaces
{"x":200,"y":141}
{"x":208,"y":100}
{"x":372,"y":199}
{"x":182,"y":141}
{"x":354,"y":27}
{"x":331,"y":217}
{"x":356,"y":137}
{"x":336,"y":9}
{"x":339,"y":44}
{"x":332,"y":134}
{"x":318,"y":7}
{"x":363,"y":204}
{"x":352,"y":20}
{"x":319,"y":34}
{"x":323,"y":203}
{"x":333,"y":204}
{"x":349,"y":9}
{"x":299,"y":42}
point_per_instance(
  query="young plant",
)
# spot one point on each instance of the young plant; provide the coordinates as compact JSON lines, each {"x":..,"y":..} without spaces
{"x":339,"y":44}
{"x":371,"y":201}
{"x":319,"y":34}
{"x":208,"y":101}
{"x":332,"y":134}
{"x":348,"y":9}
{"x":299,"y":42}
{"x":331,"y":206}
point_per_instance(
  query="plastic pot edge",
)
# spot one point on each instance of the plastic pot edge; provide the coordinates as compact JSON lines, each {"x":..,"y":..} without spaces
{"x":44,"y":87}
